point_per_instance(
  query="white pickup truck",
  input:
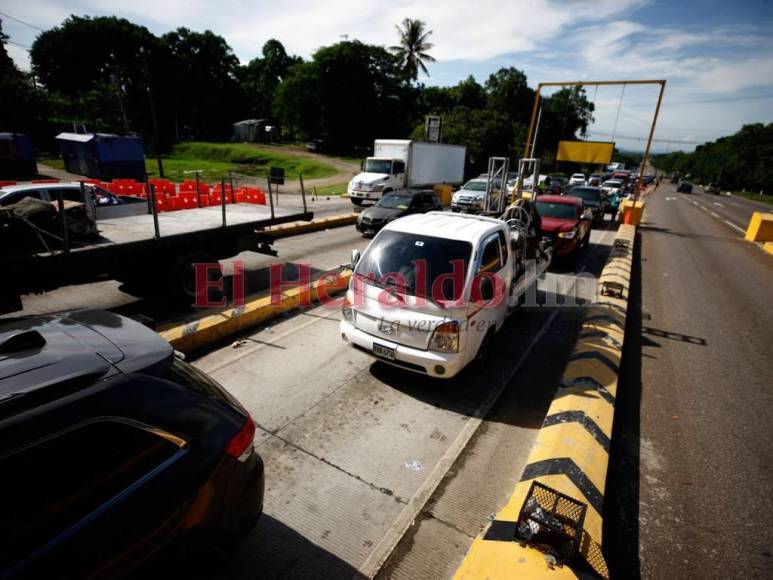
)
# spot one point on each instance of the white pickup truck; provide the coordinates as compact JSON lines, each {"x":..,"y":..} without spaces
{"x":431,"y":290}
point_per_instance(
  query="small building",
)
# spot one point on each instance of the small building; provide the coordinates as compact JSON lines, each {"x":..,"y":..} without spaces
{"x":17,"y":156}
{"x":250,"y":130}
{"x":103,"y":156}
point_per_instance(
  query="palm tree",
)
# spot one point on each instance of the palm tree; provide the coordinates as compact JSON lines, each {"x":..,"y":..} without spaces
{"x":413,"y":47}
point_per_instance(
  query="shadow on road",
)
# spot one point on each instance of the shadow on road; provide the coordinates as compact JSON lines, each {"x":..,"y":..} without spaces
{"x":274,"y":550}
{"x":621,"y":504}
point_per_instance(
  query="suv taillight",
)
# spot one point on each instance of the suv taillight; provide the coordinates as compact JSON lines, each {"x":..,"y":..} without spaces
{"x":240,"y":446}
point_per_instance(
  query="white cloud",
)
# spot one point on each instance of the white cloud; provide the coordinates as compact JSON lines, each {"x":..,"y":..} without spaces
{"x":463,"y":30}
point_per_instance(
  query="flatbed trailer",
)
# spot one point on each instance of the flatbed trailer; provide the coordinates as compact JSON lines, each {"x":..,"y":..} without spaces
{"x":151,"y":253}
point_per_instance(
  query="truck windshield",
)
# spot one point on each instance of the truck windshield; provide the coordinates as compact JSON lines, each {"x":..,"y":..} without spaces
{"x":395,"y":201}
{"x":475,"y":186}
{"x":586,"y":193}
{"x":378,"y":166}
{"x":557,"y":210}
{"x":397,"y":258}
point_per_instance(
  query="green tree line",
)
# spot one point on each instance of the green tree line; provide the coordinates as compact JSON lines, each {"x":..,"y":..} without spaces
{"x":109,"y":74}
{"x":742,"y":161}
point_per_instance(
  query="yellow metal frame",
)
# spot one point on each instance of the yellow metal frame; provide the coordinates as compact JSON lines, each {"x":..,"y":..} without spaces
{"x":538,"y":96}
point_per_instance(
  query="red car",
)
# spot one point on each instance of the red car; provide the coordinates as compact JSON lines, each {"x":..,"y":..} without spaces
{"x":565,"y":221}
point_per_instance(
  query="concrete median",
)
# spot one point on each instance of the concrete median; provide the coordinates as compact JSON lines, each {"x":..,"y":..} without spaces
{"x":315,"y":225}
{"x":211,"y":328}
{"x":571,"y":452}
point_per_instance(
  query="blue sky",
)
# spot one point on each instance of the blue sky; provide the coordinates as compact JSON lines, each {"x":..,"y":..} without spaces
{"x":717,"y":57}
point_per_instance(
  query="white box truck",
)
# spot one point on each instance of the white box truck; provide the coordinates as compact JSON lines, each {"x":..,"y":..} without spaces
{"x":404,"y":164}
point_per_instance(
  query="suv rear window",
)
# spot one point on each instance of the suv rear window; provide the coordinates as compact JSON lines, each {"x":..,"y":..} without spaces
{"x":53,"y":484}
{"x":182,"y":373}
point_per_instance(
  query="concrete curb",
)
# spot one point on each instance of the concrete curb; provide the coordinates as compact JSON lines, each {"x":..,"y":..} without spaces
{"x":204,"y":331}
{"x":571,"y":452}
{"x":315,"y":225}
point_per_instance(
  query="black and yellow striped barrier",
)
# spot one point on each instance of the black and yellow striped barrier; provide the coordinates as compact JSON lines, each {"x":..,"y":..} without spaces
{"x":571,"y":452}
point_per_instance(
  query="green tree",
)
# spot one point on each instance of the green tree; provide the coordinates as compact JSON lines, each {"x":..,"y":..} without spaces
{"x":564,"y":114}
{"x":349,"y":94}
{"x":98,"y":71}
{"x":412,"y":52}
{"x":20,"y":104}
{"x":207,"y":97}
{"x":261,"y":77}
{"x":508,"y":93}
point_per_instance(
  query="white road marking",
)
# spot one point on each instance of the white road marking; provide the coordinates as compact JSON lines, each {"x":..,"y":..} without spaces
{"x":671,"y":198}
{"x":718,"y":204}
{"x":389,"y":541}
{"x":732,"y":225}
{"x":714,"y":214}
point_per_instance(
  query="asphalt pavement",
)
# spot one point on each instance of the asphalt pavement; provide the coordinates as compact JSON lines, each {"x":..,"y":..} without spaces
{"x":689,"y":489}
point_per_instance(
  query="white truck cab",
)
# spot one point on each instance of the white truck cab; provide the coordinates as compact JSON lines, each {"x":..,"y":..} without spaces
{"x":430,"y":291}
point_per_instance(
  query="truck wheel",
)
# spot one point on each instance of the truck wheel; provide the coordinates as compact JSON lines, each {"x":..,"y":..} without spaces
{"x":181,"y":281}
{"x":356,"y":200}
{"x":485,"y":351}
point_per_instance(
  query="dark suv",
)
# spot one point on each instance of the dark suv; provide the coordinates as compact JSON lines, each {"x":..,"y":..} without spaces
{"x":113,"y":451}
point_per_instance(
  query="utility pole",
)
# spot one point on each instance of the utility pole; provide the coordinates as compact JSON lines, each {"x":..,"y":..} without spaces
{"x":154,"y":120}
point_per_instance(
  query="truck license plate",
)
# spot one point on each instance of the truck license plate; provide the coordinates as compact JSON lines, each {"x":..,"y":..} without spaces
{"x":383,"y":351}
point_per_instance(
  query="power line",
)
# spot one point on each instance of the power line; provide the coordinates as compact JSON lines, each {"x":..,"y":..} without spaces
{"x":21,"y":21}
{"x":644,"y":139}
{"x":24,"y":46}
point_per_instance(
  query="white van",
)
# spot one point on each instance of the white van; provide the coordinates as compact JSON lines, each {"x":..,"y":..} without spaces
{"x":430,"y":292}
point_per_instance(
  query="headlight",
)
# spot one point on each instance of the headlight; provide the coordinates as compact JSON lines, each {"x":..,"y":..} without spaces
{"x":378,"y":187}
{"x":445,"y":338}
{"x":346,"y":310}
{"x":568,"y":235}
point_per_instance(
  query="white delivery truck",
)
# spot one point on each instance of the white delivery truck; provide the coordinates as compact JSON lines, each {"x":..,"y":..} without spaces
{"x":431,"y":290}
{"x":404,"y":164}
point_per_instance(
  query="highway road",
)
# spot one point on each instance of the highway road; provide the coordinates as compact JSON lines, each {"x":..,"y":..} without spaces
{"x":358,"y":452}
{"x":735,"y":212}
{"x":689,"y":488}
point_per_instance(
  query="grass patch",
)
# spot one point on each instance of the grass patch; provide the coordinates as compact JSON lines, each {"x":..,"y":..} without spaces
{"x":55,"y":162}
{"x":246,"y":159}
{"x":216,"y":159}
{"x":755,"y":196}
{"x":330,"y":190}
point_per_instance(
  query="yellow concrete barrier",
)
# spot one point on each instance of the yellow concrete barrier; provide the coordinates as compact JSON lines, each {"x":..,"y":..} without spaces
{"x":444,"y":193}
{"x":768,"y":247}
{"x":571,"y":452}
{"x":631,"y":212}
{"x":760,"y":227}
{"x":204,"y":331}
{"x":315,"y":225}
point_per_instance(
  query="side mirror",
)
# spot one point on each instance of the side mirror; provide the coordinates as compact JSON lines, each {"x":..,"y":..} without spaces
{"x":354,"y":259}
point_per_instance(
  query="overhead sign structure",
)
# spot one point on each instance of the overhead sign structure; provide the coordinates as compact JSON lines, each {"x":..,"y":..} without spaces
{"x":531,"y":135}
{"x":597,"y":152}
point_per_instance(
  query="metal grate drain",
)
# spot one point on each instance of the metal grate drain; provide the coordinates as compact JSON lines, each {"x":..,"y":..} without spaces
{"x":551,"y":522}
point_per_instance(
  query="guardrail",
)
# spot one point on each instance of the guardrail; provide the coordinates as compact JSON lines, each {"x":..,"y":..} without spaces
{"x":570,"y":457}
